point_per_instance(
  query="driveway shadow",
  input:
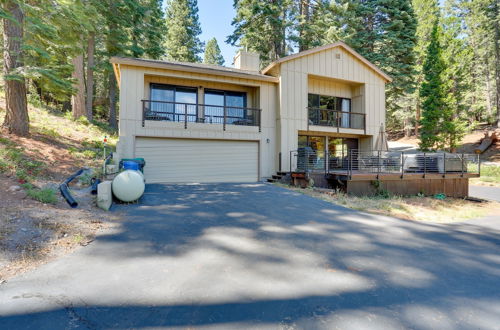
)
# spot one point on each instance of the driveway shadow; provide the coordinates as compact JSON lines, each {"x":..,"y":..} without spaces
{"x":256,"y":255}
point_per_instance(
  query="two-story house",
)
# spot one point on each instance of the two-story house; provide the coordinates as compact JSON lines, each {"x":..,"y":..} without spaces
{"x":195,"y":122}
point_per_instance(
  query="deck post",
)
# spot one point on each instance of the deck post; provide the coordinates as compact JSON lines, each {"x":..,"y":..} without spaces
{"x":444,"y":164}
{"x":224,"y":119}
{"x":279,"y":161}
{"x":462,"y":165}
{"x":143,"y":112}
{"x":185,"y":116}
{"x":338,"y":121}
{"x":260,"y":120}
{"x":402,"y":163}
{"x":378,"y":164}
{"x":349,"y":165}
{"x":478,"y":165}
{"x":425,"y":165}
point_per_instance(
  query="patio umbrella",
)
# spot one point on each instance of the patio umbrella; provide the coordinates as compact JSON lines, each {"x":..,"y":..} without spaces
{"x":381,"y":143}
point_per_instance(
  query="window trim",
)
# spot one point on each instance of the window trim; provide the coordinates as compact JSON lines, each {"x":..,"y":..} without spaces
{"x":224,"y":92}
{"x":174,"y":87}
{"x":338,"y":101}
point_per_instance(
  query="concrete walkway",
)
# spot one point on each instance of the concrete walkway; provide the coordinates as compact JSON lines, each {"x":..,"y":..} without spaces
{"x":485,"y":192}
{"x":232,"y":256}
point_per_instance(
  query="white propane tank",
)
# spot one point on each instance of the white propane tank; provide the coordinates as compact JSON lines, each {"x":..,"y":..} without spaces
{"x":128,"y":186}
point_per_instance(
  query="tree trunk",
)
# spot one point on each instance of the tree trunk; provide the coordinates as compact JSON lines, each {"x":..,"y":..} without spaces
{"x":112,"y":100}
{"x":489,"y":109}
{"x":496,"y":13}
{"x":16,"y":117}
{"x":78,"y":100}
{"x":90,"y":76}
{"x":417,"y":116}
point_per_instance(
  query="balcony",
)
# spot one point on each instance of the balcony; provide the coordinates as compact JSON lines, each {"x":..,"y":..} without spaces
{"x":335,"y":118}
{"x":200,"y":113}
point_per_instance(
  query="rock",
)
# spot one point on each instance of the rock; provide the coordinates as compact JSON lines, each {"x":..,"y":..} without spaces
{"x":14,"y":188}
{"x":24,"y":229}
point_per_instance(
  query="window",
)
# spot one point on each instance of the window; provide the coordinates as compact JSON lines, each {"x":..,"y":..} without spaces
{"x":173,"y":102}
{"x":329,"y":102}
{"x":234,"y":102}
{"x":329,"y":118}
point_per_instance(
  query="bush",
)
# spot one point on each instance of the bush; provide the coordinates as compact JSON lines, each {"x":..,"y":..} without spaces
{"x":46,"y":195}
{"x":83,"y":120}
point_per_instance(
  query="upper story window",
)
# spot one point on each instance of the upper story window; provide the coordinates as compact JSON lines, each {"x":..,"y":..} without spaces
{"x":329,"y":102}
{"x":175,"y":102}
{"x":234,"y":103}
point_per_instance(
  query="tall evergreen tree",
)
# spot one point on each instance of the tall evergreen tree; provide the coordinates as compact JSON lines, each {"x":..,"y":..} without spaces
{"x":383,"y":31}
{"x":432,"y":94}
{"x":183,"y":30}
{"x":16,"y":117}
{"x":427,"y":12}
{"x":262,"y":26}
{"x":212,"y":53}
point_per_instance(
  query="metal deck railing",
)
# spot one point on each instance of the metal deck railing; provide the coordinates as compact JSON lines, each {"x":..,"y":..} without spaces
{"x":383,"y":162}
{"x":335,"y":118}
{"x":200,"y":113}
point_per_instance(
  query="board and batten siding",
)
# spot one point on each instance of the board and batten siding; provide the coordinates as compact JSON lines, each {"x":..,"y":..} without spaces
{"x":134,"y":87}
{"x":323,"y":72}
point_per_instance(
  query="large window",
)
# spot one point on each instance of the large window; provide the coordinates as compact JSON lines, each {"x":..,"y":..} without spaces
{"x":321,"y":148}
{"x":325,"y":102}
{"x":233,"y":102}
{"x":173,"y":102}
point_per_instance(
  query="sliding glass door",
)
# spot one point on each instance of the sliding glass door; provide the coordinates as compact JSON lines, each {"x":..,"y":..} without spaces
{"x":172,"y":102}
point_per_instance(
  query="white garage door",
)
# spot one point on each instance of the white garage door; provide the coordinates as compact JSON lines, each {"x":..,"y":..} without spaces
{"x":187,"y":160}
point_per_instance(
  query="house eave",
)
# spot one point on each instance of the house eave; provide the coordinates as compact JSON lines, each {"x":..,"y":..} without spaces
{"x":116,"y":61}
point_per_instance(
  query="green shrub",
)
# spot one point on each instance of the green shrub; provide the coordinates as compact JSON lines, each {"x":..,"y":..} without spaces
{"x":83,"y":120}
{"x":49,"y":132}
{"x":46,"y":195}
{"x":89,"y":154}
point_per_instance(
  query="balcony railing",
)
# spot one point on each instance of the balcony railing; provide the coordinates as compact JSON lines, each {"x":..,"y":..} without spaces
{"x":200,"y":113}
{"x":338,"y":119}
{"x":384,"y":162}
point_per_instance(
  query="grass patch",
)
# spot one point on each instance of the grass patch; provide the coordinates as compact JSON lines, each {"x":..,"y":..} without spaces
{"x":418,"y":208}
{"x":45,"y":195}
{"x":490,"y":174}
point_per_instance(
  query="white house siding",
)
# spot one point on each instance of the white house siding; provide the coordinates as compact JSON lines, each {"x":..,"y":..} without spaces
{"x":134,"y":87}
{"x":347,"y":76}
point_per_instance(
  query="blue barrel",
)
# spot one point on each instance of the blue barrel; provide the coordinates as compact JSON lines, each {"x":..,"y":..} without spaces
{"x":130,"y":165}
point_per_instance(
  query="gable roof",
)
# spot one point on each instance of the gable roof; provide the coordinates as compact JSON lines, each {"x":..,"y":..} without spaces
{"x":325,"y":47}
{"x":192,"y":67}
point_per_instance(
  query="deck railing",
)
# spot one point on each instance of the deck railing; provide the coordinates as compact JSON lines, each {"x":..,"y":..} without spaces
{"x":384,"y":162}
{"x":200,"y":113}
{"x":335,"y":118}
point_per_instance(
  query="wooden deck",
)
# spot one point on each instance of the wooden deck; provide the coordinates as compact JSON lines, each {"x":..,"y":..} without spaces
{"x":362,"y":183}
{"x":363,"y":176}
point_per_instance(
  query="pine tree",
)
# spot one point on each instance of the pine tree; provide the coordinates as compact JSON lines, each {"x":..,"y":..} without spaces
{"x":16,"y":117}
{"x":212,"y":53}
{"x":183,"y":30}
{"x":432,"y":94}
{"x":427,"y":12}
{"x":383,"y":31}
{"x":262,"y":26}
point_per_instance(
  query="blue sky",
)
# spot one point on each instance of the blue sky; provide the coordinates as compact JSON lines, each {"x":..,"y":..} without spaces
{"x":215,"y":20}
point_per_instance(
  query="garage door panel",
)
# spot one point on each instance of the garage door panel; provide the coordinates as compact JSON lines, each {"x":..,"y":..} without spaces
{"x":189,"y":160}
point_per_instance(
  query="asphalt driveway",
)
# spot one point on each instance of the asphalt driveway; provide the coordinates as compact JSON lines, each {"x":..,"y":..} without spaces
{"x":485,"y":192}
{"x":259,"y":256}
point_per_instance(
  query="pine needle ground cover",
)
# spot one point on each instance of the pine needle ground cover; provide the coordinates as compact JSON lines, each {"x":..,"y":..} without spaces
{"x":36,"y":224}
{"x":415,"y":208}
